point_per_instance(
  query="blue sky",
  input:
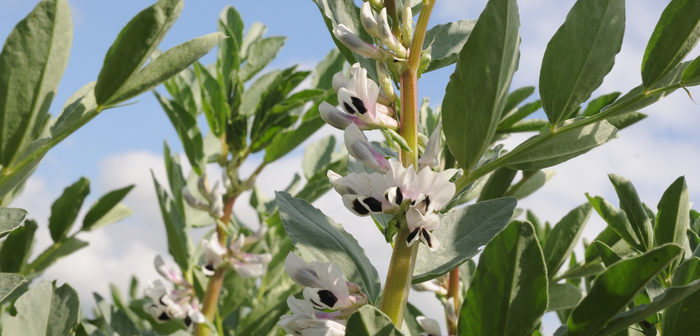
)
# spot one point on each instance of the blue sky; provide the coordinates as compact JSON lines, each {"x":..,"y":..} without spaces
{"x":121,"y":145}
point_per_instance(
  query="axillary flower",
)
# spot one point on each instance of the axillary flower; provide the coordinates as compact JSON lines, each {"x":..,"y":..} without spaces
{"x":329,"y":299}
{"x":358,"y":98}
{"x":396,"y":189}
{"x":247,"y":265}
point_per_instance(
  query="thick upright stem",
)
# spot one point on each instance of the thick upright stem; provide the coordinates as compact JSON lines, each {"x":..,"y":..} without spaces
{"x":211,"y":296}
{"x":403,"y":258}
{"x":453,"y":292}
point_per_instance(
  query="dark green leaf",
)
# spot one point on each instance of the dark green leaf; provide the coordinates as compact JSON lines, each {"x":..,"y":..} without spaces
{"x":10,"y":283}
{"x":79,"y":108}
{"x":187,"y":130}
{"x":583,"y":270}
{"x":606,"y":254}
{"x":317,"y":156}
{"x":56,"y":251}
{"x":317,"y":236}
{"x":462,"y":233}
{"x":547,"y":149}
{"x":517,"y":115}
{"x":10,"y":219}
{"x":680,"y":318}
{"x":445,"y":41}
{"x":260,"y":54}
{"x":563,"y":296}
{"x":691,"y":74}
{"x":597,"y":104}
{"x":572,"y":71}
{"x":252,"y":96}
{"x":673,"y":38}
{"x":106,"y":209}
{"x":616,"y":287}
{"x":497,"y":184}
{"x":17,"y":247}
{"x":510,"y":284}
{"x":32,"y":62}
{"x":322,"y":77}
{"x":370,"y":321}
{"x":625,"y":120}
{"x":564,"y":236}
{"x":44,"y":310}
{"x":616,"y":220}
{"x":166,"y":65}
{"x":672,"y":220}
{"x":477,"y":91}
{"x":527,"y":125}
{"x":133,"y":46}
{"x":632,"y":206}
{"x":214,"y":100}
{"x":229,"y":58}
{"x":532,"y":183}
{"x":178,"y":241}
{"x":65,"y":208}
{"x":516,"y":97}
{"x":286,"y":141}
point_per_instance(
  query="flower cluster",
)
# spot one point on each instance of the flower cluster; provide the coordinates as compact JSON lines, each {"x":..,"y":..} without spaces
{"x":247,"y":265}
{"x":213,"y":195}
{"x":328,"y":299}
{"x":177,"y":303}
{"x":396,"y":189}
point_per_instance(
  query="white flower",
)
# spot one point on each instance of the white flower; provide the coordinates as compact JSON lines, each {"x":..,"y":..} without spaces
{"x":420,"y":227}
{"x":168,"y":272}
{"x":213,"y":196}
{"x":304,"y":321}
{"x":432,"y":149}
{"x":430,"y":286}
{"x":387,"y":36}
{"x":248,"y":265}
{"x":358,"y":98}
{"x":325,"y":282}
{"x":361,"y":149}
{"x":430,"y":326}
{"x":213,"y":254}
{"x":356,"y":44}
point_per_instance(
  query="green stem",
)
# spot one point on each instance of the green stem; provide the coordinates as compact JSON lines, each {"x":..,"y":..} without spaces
{"x":467,"y":179}
{"x":403,"y":258}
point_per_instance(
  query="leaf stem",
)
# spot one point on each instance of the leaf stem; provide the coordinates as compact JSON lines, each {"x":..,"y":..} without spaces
{"x":403,"y":258}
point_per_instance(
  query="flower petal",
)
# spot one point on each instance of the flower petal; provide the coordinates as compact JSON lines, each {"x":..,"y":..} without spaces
{"x":299,"y":271}
{"x":429,"y":325}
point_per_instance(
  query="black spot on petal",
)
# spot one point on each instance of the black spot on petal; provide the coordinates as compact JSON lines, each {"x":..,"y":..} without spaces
{"x":163,"y":317}
{"x":188,"y":321}
{"x":357,"y":102}
{"x":161,"y":300}
{"x":359,"y":208}
{"x":348,"y":108}
{"x":373,"y":204}
{"x":427,"y":203}
{"x":327,"y":297}
{"x":412,"y":235}
{"x":426,"y":235}
{"x":209,"y":267}
{"x":399,"y":196}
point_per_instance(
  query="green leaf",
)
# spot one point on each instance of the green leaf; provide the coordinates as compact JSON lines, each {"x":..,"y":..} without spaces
{"x":178,"y":241}
{"x":572,"y":71}
{"x":260,"y":54}
{"x":65,"y":208}
{"x":252,"y":96}
{"x":672,"y":220}
{"x":616,"y":220}
{"x":621,"y":121}
{"x":606,"y":254}
{"x":597,"y":104}
{"x":10,"y":219}
{"x":32,"y":62}
{"x":79,"y":108}
{"x":10,"y":284}
{"x":477,"y":91}
{"x":680,"y":318}
{"x":532,"y":184}
{"x":669,"y":297}
{"x":445,"y":41}
{"x":516,"y":97}
{"x":370,"y":321}
{"x":187,"y":130}
{"x":616,"y":287}
{"x":166,"y":65}
{"x":317,"y":156}
{"x":44,"y":310}
{"x":516,"y":116}
{"x":563,"y":296}
{"x":580,"y":271}
{"x":214,"y":101}
{"x":255,"y":32}
{"x":673,"y":38}
{"x":231,"y":24}
{"x":691,"y":74}
{"x":564,"y":236}
{"x":322,"y":77}
{"x":462,"y":233}
{"x":318,"y":237}
{"x":107,"y":209}
{"x":510,"y":284}
{"x":52,"y":254}
{"x":17,"y":247}
{"x":335,"y":12}
{"x":632,"y":206}
{"x":133,"y":46}
{"x":497,"y":184}
{"x":548,"y":149}
{"x":116,"y":322}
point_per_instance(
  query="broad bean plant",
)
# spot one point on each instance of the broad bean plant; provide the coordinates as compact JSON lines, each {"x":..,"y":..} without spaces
{"x":439,"y":187}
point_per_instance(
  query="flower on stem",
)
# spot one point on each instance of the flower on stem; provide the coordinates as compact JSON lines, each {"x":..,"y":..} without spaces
{"x":356,"y":44}
{"x":168,"y":272}
{"x":213,"y":196}
{"x":358,"y":98}
{"x":432,"y":149}
{"x":213,"y":254}
{"x":431,"y":286}
{"x":247,"y":265}
{"x":361,"y":149}
{"x":430,"y":326}
{"x":306,"y":321}
{"x":179,"y":303}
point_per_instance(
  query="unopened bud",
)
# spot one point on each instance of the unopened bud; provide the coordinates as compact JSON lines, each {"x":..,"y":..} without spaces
{"x":387,"y":36}
{"x":368,"y":20}
{"x":356,"y":44}
{"x":406,"y":25}
{"x":386,"y":83}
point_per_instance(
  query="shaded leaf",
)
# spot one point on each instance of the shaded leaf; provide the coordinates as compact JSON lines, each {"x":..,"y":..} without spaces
{"x":17,"y":247}
{"x":672,"y":220}
{"x":563,"y":296}
{"x":632,"y":206}
{"x":10,"y":219}
{"x":44,"y":310}
{"x":79,"y":108}
{"x":65,"y":208}
{"x":107,"y":209}
{"x":680,"y":318}
{"x":178,"y":241}
{"x":445,"y":41}
{"x":370,"y":321}
{"x":564,"y":236}
{"x":10,"y":283}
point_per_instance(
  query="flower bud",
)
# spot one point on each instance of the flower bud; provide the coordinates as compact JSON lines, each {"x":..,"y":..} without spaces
{"x":387,"y":36}
{"x":368,"y":20}
{"x":406,"y":25}
{"x":356,"y":44}
{"x":385,"y":82}
{"x":361,"y":149}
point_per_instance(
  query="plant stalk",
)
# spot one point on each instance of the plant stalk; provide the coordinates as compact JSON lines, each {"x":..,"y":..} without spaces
{"x":403,"y":258}
{"x":453,"y":292}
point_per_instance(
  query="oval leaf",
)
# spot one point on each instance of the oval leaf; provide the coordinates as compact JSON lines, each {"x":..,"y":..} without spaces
{"x":510,"y":284}
{"x":672,"y":220}
{"x":65,"y":208}
{"x":324,"y":240}
{"x":445,"y":41}
{"x":31,"y":65}
{"x":42,"y":311}
{"x":579,"y":55}
{"x":104,"y":207}
{"x":10,"y":219}
{"x":673,"y":38}
{"x":462,"y":233}
{"x":564,"y":236}
{"x":681,"y":318}
{"x":477,"y":91}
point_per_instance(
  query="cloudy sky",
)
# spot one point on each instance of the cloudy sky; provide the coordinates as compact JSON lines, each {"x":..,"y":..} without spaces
{"x":122,"y":145}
